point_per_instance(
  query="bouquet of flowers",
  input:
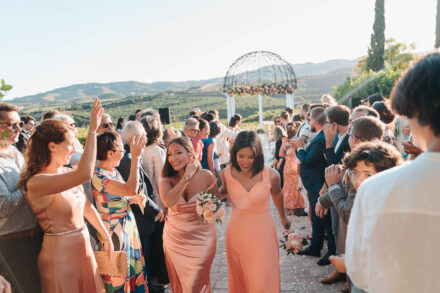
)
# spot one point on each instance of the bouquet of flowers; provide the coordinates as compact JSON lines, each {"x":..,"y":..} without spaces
{"x":293,"y":241}
{"x":210,"y":208}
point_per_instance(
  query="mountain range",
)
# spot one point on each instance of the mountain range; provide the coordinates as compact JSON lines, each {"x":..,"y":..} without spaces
{"x":313,"y":79}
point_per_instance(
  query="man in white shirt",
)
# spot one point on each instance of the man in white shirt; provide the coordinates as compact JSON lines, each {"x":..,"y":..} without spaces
{"x":392,"y":239}
{"x":222,"y":140}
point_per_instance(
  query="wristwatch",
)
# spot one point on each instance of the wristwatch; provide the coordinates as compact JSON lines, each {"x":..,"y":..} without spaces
{"x":186,"y":178}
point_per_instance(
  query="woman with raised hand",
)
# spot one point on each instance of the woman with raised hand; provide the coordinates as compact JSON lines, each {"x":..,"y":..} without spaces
{"x":113,"y":197}
{"x":56,"y":196}
{"x":189,"y":245}
{"x":252,"y":248}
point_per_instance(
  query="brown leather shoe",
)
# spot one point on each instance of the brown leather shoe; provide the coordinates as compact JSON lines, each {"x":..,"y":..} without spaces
{"x":346,"y":287}
{"x":332,"y":278}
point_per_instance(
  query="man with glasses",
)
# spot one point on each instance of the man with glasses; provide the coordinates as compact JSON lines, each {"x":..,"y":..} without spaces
{"x":27,"y":125}
{"x":20,"y":239}
{"x":191,"y":130}
{"x":106,"y":124}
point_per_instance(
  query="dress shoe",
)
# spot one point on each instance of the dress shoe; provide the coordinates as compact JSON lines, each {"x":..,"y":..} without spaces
{"x":346,"y":287}
{"x":309,"y":251}
{"x":324,"y":261}
{"x":332,"y":278}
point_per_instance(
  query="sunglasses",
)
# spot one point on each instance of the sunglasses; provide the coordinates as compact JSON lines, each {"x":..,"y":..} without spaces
{"x":108,"y":125}
{"x":13,"y":126}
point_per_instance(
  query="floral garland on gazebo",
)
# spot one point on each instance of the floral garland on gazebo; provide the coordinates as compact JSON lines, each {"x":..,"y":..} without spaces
{"x":265,"y":89}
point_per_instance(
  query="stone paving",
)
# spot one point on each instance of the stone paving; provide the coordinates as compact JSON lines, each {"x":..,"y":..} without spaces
{"x":298,"y":273}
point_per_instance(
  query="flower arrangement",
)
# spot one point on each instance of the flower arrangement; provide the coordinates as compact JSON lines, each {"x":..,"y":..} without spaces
{"x":293,"y":241}
{"x":265,"y":89}
{"x":210,"y":208}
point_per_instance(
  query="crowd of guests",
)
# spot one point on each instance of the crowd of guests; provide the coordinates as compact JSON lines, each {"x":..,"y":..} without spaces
{"x":130,"y":194}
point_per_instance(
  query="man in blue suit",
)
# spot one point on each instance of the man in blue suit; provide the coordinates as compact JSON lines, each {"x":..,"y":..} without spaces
{"x":313,"y":164}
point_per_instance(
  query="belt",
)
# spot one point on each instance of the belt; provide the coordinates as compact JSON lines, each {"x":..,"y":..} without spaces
{"x":22,"y":234}
{"x":65,"y":233}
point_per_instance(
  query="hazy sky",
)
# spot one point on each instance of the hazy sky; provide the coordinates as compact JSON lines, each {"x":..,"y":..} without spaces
{"x":49,"y":44}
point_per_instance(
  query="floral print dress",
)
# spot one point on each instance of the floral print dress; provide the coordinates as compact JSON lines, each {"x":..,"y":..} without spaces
{"x":116,"y":214}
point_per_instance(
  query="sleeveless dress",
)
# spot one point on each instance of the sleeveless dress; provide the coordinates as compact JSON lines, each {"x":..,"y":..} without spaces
{"x":116,"y":214}
{"x":66,"y":261}
{"x":252,"y":248}
{"x":189,"y":247}
{"x":292,"y":196}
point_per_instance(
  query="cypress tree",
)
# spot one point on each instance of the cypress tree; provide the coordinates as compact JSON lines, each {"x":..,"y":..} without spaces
{"x":437,"y":27}
{"x":375,"y":60}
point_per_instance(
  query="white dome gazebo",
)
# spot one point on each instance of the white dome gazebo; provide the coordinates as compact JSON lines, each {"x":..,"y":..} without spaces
{"x":256,"y":74}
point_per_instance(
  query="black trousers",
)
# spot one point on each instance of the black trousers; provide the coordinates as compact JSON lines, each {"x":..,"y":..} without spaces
{"x":21,"y":256}
{"x":320,"y":226}
{"x":156,"y":266}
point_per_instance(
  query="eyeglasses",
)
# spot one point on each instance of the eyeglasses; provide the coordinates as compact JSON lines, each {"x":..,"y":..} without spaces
{"x":74,"y":124}
{"x":108,"y":125}
{"x":277,"y":121}
{"x":120,"y":151}
{"x":196,"y":130}
{"x":13,"y":126}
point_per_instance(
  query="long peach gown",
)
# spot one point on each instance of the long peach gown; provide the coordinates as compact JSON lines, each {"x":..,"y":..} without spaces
{"x":66,"y":262}
{"x":251,"y":238}
{"x":292,"y":196}
{"x":189,"y":248}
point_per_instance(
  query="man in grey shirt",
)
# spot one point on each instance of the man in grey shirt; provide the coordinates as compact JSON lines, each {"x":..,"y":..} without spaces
{"x":20,"y":237}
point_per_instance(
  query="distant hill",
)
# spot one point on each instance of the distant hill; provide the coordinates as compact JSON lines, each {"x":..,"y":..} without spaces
{"x":313,"y":79}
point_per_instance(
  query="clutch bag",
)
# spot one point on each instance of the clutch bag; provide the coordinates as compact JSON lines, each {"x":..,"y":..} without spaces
{"x":116,"y":265}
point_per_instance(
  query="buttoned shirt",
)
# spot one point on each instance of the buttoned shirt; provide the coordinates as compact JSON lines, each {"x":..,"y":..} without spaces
{"x":393,"y":234}
{"x":15,"y":213}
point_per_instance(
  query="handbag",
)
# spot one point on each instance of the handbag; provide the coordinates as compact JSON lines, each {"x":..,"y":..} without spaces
{"x":116,"y":265}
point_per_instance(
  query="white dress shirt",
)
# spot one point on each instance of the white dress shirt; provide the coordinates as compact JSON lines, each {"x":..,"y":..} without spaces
{"x":223,"y":144}
{"x":340,"y":139}
{"x":393,"y":239}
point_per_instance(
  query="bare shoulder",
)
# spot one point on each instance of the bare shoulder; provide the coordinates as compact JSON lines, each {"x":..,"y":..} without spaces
{"x":205,"y":174}
{"x":274,"y":175}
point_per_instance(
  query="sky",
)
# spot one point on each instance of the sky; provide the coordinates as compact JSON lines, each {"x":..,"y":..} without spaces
{"x":50,"y":44}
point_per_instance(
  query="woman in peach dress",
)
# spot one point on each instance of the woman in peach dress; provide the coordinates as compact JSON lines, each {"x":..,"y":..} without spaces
{"x":251,"y":238}
{"x":189,"y":245}
{"x":66,"y":261}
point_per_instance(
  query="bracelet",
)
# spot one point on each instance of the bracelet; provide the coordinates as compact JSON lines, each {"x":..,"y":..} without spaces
{"x":92,"y":132}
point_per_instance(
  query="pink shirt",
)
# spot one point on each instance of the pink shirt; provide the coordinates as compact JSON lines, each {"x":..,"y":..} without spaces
{"x":198,"y":147}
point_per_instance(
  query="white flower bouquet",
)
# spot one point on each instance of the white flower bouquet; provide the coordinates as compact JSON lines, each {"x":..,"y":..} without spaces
{"x":293,"y":241}
{"x":210,"y":208}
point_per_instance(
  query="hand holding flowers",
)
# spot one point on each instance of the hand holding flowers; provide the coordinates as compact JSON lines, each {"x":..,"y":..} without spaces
{"x":210,"y":208}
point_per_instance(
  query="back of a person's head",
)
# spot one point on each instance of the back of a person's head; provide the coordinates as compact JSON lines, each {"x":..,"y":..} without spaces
{"x":367,"y":128}
{"x":153,"y":128}
{"x":297,"y":117}
{"x":214,"y":128}
{"x":417,"y":92}
{"x":192,"y":113}
{"x":284,"y":115}
{"x":291,"y":130}
{"x":385,"y":113}
{"x":305,"y":107}
{"x":380,"y":155}
{"x":148,"y":112}
{"x":214,"y":113}
{"x":65,"y":118}
{"x":328,"y":99}
{"x":338,"y":114}
{"x":208,"y":116}
{"x":289,"y":110}
{"x":49,"y":114}
{"x":374,"y":98}
{"x":26,"y":118}
{"x":318,"y":114}
{"x":191,"y":123}
{"x":132,"y":128}
{"x":132,"y":117}
{"x":369,"y":111}
{"x":278,"y":133}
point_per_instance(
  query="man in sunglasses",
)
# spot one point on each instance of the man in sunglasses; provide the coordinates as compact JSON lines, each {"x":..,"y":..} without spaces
{"x":20,"y":239}
{"x":27,"y":125}
{"x":106,"y":124}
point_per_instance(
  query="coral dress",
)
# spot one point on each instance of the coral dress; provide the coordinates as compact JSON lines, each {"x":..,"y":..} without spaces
{"x":292,"y":196}
{"x":251,"y":238}
{"x":189,"y":247}
{"x":66,"y":261}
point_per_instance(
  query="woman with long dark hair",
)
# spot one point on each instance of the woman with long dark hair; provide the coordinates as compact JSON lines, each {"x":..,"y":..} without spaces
{"x":54,"y":192}
{"x":188,"y":244}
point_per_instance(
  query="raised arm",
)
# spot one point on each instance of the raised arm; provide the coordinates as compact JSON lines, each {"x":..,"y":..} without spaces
{"x":44,"y":184}
{"x":170,"y":194}
{"x":129,"y":188}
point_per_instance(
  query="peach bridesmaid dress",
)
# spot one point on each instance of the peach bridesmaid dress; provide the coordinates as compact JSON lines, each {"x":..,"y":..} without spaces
{"x":189,"y":247}
{"x":251,"y":238}
{"x":66,"y":261}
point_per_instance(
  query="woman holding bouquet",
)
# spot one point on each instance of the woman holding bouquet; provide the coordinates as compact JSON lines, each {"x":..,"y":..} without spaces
{"x":189,"y":245}
{"x":251,"y":238}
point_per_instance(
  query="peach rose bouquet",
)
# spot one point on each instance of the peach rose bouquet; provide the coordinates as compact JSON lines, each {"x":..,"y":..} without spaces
{"x":210,"y":208}
{"x":293,"y":241}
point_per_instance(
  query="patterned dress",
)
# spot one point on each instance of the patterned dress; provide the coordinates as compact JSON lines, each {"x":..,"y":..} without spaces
{"x":116,"y":214}
{"x":292,"y":196}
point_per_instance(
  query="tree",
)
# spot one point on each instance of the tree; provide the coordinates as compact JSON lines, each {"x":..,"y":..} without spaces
{"x":4,"y":88}
{"x":437,"y":27}
{"x":375,"y":60}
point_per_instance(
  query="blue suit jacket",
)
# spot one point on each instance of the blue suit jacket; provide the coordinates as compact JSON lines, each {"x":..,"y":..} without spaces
{"x":336,"y":158}
{"x":313,"y":163}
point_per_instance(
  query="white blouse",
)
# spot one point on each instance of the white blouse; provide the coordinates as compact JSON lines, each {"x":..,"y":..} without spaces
{"x":153,"y":159}
{"x":393,"y":237}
